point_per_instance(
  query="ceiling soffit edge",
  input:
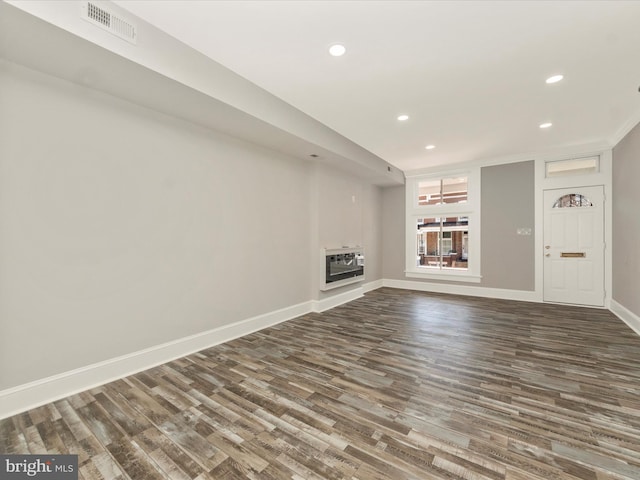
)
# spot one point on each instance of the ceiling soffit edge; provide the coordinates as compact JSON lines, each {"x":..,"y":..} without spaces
{"x":42,"y":30}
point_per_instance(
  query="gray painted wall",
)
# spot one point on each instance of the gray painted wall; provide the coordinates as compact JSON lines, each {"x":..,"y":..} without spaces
{"x":123,"y":228}
{"x":349,"y":213}
{"x":507,"y":204}
{"x":626,"y":222}
{"x":508,"y":259}
{"x":393,"y":235}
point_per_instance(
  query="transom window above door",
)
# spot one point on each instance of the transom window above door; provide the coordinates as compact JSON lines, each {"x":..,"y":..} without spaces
{"x":572,"y":166}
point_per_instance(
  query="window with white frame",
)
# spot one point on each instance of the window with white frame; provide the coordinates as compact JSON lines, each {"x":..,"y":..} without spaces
{"x":572,"y":166}
{"x":443,"y":226}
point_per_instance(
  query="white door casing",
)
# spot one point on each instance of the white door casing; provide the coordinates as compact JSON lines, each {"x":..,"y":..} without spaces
{"x":574,"y":247}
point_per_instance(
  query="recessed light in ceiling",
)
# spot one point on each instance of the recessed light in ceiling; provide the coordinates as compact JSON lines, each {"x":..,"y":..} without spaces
{"x":430,"y":147}
{"x":555,"y":79}
{"x":403,"y":117}
{"x":546,"y":125}
{"x":337,"y":50}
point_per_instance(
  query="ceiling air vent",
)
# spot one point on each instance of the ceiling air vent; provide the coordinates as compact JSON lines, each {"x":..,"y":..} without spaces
{"x":112,"y":23}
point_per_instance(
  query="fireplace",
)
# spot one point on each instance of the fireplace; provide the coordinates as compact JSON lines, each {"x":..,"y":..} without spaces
{"x":342,"y":266}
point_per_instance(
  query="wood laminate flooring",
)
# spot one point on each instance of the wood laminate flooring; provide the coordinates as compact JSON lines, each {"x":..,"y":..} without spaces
{"x":395,"y":385}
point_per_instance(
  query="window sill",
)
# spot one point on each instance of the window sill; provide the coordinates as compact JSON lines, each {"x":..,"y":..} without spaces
{"x":448,"y":276}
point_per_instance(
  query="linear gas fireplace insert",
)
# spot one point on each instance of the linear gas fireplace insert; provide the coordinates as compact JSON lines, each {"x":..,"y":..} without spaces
{"x":342,"y":266}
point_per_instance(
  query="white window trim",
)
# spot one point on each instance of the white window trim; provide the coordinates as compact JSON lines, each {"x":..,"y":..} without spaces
{"x":469,"y":209}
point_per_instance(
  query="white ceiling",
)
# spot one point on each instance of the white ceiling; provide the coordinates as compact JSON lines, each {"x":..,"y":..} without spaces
{"x":470,"y":74}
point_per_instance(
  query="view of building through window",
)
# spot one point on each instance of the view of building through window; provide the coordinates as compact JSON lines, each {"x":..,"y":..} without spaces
{"x":572,"y":200}
{"x":442,"y":191}
{"x":443,"y":242}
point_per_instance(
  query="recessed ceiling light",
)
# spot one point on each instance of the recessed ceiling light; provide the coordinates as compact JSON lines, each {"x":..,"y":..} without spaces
{"x":546,"y":125}
{"x":555,"y":79}
{"x":430,"y":147}
{"x":403,"y":117}
{"x":337,"y":50}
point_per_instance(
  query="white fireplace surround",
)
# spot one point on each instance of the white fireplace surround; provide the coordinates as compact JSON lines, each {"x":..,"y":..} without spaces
{"x":352,"y":270}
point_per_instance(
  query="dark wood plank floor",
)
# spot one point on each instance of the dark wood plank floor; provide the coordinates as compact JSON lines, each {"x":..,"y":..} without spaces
{"x":396,"y":385}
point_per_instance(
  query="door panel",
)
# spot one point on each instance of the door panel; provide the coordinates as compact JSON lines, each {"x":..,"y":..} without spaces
{"x":557,"y":274}
{"x":585,"y":230}
{"x":574,"y":247}
{"x":586,"y":271}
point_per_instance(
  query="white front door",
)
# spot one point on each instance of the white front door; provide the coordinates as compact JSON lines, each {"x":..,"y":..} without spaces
{"x":574,"y":246}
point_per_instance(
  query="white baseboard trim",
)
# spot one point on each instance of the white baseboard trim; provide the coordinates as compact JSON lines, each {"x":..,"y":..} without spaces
{"x":370,"y":286}
{"x":336,"y":300}
{"x":501,"y":293}
{"x":40,"y":392}
{"x":626,"y":315}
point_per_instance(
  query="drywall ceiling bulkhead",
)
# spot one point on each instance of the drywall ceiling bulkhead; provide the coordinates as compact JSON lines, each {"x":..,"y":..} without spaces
{"x":161,"y":73}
